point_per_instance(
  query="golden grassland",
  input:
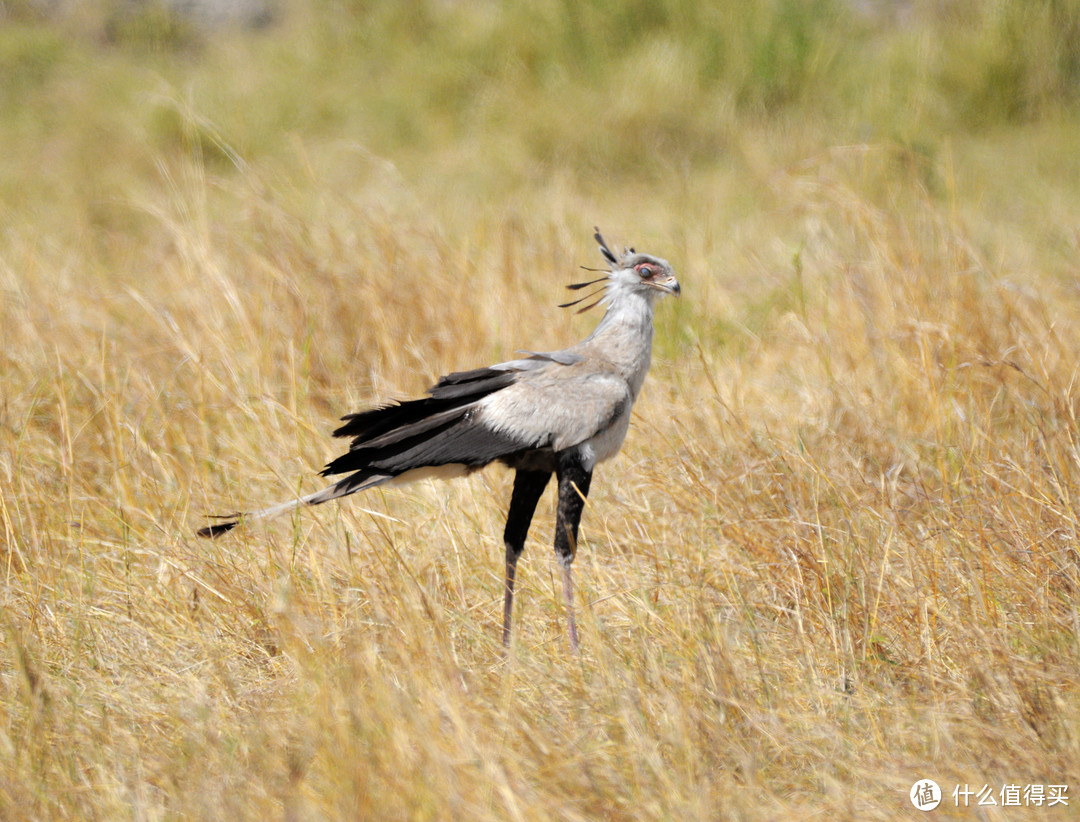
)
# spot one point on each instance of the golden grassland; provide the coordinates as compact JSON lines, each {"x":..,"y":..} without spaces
{"x":838,"y":552}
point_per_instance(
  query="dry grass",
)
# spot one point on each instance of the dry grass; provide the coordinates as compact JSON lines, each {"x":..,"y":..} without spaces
{"x":838,"y":552}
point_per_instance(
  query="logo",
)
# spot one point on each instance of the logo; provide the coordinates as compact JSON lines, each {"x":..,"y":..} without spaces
{"x":925,"y":794}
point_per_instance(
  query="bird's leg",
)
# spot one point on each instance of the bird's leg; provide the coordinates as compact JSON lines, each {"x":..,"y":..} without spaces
{"x":574,"y":479}
{"x":568,"y":598}
{"x":528,"y":486}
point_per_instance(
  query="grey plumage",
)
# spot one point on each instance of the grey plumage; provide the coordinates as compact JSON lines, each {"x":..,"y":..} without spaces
{"x":560,"y":412}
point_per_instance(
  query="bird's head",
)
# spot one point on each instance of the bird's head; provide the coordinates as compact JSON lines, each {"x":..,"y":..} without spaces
{"x":631,"y":272}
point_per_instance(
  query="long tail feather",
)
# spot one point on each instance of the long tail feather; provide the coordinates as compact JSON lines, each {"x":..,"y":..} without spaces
{"x":218,"y":529}
{"x":439,"y":435}
{"x":349,"y":485}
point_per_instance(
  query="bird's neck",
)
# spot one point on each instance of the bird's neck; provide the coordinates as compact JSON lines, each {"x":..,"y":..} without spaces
{"x":624,"y":337}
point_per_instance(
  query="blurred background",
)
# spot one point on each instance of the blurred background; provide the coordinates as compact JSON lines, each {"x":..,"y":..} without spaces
{"x":478,"y":103}
{"x":837,"y":554}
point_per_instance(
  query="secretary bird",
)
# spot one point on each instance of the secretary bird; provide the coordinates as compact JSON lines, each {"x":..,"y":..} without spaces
{"x":558,"y":412}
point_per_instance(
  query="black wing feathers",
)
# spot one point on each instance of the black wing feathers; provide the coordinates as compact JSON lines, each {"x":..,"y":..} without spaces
{"x":472,"y":384}
{"x":439,"y":429}
{"x":452,"y":391}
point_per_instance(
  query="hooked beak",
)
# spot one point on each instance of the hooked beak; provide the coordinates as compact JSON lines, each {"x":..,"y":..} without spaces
{"x":668,"y":285}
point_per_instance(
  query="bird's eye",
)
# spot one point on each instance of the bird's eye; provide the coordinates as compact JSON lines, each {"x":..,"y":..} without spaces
{"x":645,"y":271}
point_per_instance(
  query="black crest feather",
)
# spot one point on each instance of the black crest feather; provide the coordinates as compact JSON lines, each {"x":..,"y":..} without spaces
{"x":609,"y":255}
{"x":583,"y":299}
{"x":576,"y":286}
{"x":607,"y":252}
